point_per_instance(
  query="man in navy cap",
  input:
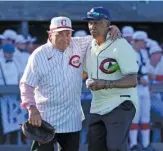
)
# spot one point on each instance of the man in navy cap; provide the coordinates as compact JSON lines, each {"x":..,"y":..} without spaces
{"x":8,"y":51}
{"x":9,"y":75}
{"x":112,"y":78}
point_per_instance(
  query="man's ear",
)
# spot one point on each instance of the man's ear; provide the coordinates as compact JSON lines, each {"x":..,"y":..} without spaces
{"x":108,"y":24}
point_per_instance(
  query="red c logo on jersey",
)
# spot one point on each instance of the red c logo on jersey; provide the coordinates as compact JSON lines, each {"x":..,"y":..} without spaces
{"x":107,"y":66}
{"x":75,"y":61}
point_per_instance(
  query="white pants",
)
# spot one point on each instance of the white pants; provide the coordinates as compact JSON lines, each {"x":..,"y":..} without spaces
{"x":143,"y":113}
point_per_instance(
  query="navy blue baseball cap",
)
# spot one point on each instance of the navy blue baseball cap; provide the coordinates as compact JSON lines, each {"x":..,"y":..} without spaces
{"x":98,"y":13}
{"x":8,"y":48}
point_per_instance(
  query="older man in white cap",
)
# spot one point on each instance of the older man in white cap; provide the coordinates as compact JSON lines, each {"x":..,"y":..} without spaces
{"x":142,"y":117}
{"x":21,"y":53}
{"x":127,"y":32}
{"x":53,"y":76}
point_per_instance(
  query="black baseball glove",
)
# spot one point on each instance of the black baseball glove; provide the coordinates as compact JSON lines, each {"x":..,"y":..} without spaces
{"x":43,"y":134}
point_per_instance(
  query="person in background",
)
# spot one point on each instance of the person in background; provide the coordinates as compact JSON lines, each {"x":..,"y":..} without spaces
{"x":156,"y":77}
{"x":9,"y":75}
{"x":8,"y":36}
{"x":31,"y":44}
{"x":21,"y":53}
{"x":127,"y":32}
{"x":80,"y":33}
{"x":142,"y":117}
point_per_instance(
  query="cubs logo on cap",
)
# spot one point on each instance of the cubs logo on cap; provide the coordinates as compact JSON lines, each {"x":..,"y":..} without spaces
{"x":60,"y":24}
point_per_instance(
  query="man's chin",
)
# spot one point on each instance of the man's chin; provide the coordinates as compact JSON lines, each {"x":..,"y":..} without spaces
{"x":94,"y":35}
{"x":64,"y":48}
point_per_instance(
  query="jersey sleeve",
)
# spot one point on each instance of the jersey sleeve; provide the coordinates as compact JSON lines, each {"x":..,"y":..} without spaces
{"x":31,"y":75}
{"x":83,"y":42}
{"x":126,"y":57}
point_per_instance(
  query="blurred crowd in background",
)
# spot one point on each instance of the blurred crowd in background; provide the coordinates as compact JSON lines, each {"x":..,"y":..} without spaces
{"x":15,"y":50}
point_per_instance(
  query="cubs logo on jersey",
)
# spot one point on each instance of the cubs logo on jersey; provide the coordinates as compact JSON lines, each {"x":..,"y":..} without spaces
{"x":75,"y":61}
{"x":109,"y":66}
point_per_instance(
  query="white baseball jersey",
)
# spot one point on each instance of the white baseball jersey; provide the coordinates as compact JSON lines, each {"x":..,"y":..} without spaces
{"x":98,"y":63}
{"x":57,"y":78}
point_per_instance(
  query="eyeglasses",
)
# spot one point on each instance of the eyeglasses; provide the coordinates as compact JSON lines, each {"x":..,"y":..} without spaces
{"x":95,"y":14}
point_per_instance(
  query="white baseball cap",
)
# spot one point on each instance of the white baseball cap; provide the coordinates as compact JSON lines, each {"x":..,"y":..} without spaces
{"x":2,"y":37}
{"x":20,"y":39}
{"x":60,"y":24}
{"x":9,"y":34}
{"x":140,"y":35}
{"x":151,"y":43}
{"x":127,"y":31}
{"x":80,"y":33}
{"x":31,"y":39}
{"x":155,"y":49}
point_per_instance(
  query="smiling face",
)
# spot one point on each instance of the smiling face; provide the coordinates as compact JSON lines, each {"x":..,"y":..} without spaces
{"x":61,"y":39}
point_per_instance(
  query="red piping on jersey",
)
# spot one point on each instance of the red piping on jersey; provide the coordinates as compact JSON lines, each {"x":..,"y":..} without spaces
{"x":159,"y":77}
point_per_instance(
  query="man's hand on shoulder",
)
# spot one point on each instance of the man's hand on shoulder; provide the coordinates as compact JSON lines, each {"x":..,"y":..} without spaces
{"x":114,"y":32}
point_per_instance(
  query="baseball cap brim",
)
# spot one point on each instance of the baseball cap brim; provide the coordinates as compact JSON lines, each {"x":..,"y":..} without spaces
{"x":90,"y":18}
{"x":62,"y":29}
{"x":93,"y":18}
{"x":22,"y":41}
{"x":127,"y":35}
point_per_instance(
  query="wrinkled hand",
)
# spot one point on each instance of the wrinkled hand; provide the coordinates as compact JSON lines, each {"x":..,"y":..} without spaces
{"x":114,"y":32}
{"x":143,"y":82}
{"x":34,"y":116}
{"x":95,"y":84}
